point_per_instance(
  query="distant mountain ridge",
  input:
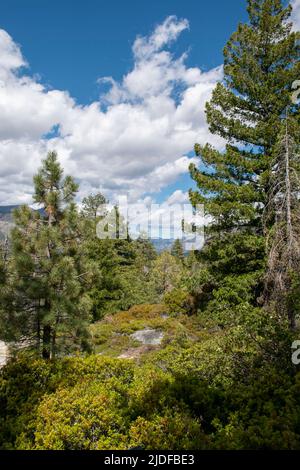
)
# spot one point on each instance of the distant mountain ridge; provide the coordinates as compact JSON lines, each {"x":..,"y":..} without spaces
{"x":162,"y":244}
{"x":6,"y":211}
{"x":6,"y":220}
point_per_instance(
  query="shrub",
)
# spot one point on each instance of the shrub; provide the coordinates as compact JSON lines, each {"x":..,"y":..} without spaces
{"x":90,"y":416}
{"x":178,"y":301}
{"x":173,"y":430}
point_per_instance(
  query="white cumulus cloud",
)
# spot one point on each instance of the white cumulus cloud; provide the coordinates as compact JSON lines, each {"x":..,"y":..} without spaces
{"x":133,"y":140}
{"x":296,"y":14}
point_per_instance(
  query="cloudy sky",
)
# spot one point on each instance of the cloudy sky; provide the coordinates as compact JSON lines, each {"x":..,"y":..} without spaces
{"x":118,"y":91}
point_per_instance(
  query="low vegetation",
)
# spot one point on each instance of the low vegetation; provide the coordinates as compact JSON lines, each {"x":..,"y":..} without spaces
{"x":115,"y":346}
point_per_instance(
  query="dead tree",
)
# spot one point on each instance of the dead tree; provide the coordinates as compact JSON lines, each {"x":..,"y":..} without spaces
{"x":282,"y":222}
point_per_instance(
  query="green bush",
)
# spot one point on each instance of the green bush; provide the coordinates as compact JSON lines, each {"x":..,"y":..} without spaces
{"x":87,"y":417}
{"x":233,"y":389}
{"x":171,"y":431}
{"x":178,"y":301}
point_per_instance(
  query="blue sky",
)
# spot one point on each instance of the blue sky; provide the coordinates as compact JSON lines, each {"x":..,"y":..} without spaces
{"x":71,"y":43}
{"x":117,"y":88}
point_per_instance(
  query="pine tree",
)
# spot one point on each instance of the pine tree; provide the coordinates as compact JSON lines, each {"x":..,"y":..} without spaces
{"x":166,"y":273}
{"x":261,"y":62}
{"x":3,"y":262}
{"x":177,"y":250}
{"x":92,"y":205}
{"x":114,"y":258}
{"x":145,"y":251}
{"x":48,"y":272}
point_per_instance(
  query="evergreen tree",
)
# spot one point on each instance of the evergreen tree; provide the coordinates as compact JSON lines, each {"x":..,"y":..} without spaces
{"x":166,"y":273}
{"x":137,"y":278}
{"x":261,"y":62}
{"x":145,"y":251}
{"x":48,"y":272}
{"x":191,"y":260}
{"x":119,"y":281}
{"x":283,"y":216}
{"x":177,"y":250}
{"x":3,"y":262}
{"x":92,"y":204}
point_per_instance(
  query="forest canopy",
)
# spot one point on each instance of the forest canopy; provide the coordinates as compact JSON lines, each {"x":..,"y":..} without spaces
{"x":116,"y":345}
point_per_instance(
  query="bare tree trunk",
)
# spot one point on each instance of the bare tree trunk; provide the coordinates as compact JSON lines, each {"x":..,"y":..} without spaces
{"x":289,"y":225}
{"x":284,"y":207}
{"x":47,"y":342}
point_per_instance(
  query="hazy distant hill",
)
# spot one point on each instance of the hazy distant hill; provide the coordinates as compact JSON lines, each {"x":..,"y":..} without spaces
{"x":6,"y":211}
{"x":162,"y":244}
{"x":6,"y":220}
{"x":6,"y":225}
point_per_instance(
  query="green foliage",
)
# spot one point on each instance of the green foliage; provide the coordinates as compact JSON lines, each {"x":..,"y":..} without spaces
{"x":166,"y":273}
{"x":92,"y":205}
{"x":222,"y":376}
{"x":222,"y":392}
{"x":172,"y":431}
{"x":2,"y":264}
{"x":48,"y":273}
{"x":112,"y":335}
{"x":123,"y":265}
{"x":91,"y":403}
{"x":24,"y":383}
{"x":235,"y":254}
{"x":261,"y":62}
{"x":177,"y":250}
{"x":264,"y":416}
{"x":178,"y":301}
{"x":87,"y":417}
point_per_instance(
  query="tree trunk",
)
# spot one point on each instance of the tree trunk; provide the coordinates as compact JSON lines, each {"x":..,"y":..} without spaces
{"x":289,"y":223}
{"x":289,"y":226}
{"x":46,"y":341}
{"x":53,"y":341}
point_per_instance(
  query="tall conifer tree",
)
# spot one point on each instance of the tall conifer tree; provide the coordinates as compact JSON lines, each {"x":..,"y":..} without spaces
{"x":48,"y":272}
{"x":261,"y":63}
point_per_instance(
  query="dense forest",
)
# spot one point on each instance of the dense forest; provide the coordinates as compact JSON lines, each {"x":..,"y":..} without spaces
{"x":114,"y":345}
